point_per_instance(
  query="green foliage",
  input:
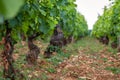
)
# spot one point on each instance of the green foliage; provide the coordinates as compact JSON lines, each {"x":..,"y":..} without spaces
{"x":108,"y":24}
{"x":73,"y":23}
{"x":54,"y":48}
{"x":42,"y":16}
{"x":102,"y":25}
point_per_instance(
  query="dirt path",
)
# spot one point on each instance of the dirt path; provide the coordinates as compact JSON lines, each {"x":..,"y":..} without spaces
{"x":87,"y":60}
{"x":88,"y":67}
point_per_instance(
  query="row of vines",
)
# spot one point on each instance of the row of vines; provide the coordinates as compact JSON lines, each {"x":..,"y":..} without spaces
{"x":35,"y":18}
{"x":108,"y":25}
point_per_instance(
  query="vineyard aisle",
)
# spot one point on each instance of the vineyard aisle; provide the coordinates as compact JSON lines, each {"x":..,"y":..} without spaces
{"x":93,"y":61}
{"x":87,"y":59}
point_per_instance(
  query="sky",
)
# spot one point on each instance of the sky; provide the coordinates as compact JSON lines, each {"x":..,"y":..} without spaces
{"x":90,"y":9}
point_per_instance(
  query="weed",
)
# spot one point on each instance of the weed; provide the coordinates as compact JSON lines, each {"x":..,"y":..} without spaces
{"x":44,"y":77}
{"x":51,"y":69}
{"x":81,"y":79}
{"x":113,"y":69}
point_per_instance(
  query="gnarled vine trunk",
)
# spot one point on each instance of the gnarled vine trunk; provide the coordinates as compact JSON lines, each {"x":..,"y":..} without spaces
{"x":70,"y":39}
{"x":33,"y":52}
{"x":7,"y":58}
{"x":104,"y":40}
{"x":56,"y":42}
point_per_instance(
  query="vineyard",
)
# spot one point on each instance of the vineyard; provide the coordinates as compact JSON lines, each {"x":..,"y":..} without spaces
{"x":50,"y":40}
{"x":107,"y":25}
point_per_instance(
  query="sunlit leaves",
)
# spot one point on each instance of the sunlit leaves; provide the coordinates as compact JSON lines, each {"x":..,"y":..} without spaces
{"x":25,"y":26}
{"x":109,"y":23}
{"x":43,"y":15}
